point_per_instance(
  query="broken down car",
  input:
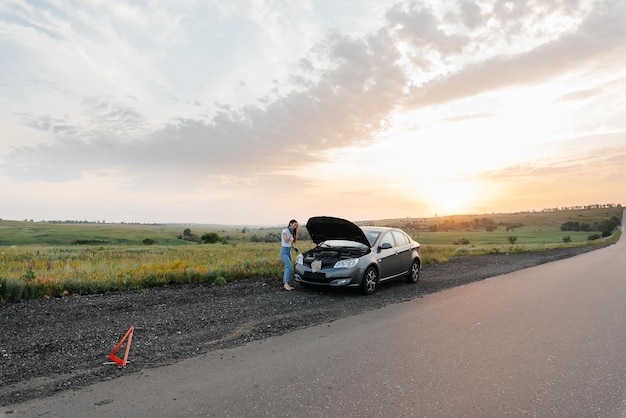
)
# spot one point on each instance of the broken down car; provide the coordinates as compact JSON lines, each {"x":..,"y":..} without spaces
{"x":347,"y":255}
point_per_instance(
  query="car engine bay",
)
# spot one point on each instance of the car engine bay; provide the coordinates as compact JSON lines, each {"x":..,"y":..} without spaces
{"x":329,"y":256}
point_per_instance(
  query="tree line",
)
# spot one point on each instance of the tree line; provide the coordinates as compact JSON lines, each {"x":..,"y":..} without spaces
{"x":606,"y":227}
{"x":486,"y":224}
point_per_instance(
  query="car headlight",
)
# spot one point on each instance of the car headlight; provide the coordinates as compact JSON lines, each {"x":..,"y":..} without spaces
{"x":299,"y":259}
{"x":347,"y":263}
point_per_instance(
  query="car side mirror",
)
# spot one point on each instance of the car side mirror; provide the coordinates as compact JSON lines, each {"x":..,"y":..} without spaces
{"x":385,"y":246}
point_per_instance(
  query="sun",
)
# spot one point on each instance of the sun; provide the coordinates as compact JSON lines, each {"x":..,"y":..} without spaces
{"x":452,"y":197}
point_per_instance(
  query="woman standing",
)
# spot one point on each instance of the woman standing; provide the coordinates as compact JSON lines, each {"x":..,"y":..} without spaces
{"x":288,"y":238}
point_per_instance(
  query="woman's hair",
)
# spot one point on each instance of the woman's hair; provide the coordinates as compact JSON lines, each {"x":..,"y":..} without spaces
{"x":295,"y":230}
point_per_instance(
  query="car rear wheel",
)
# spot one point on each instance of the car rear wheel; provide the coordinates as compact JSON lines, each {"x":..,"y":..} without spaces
{"x":414,"y":272}
{"x":370,"y":279}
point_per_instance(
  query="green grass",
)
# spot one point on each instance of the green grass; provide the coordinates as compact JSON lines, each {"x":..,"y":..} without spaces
{"x":43,"y":233}
{"x":39,"y":259}
{"x":500,"y":237}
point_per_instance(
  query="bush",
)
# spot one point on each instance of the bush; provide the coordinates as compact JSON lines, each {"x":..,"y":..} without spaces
{"x":219,"y":280}
{"x":567,"y":239}
{"x":593,"y":237}
{"x":187,"y":235}
{"x":512,"y":239}
{"x":12,"y":290}
{"x":606,"y":234}
{"x":269,"y":237}
{"x":210,"y":238}
{"x":461,"y":241}
{"x":606,"y":225}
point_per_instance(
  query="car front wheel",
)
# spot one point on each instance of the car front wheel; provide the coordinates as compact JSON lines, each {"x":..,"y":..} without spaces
{"x":368,"y":285}
{"x":414,"y":272}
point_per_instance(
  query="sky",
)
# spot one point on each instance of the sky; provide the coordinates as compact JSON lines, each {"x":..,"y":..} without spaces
{"x":255,"y":112}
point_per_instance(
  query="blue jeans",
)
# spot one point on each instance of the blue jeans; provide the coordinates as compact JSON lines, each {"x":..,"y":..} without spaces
{"x":285,"y":255}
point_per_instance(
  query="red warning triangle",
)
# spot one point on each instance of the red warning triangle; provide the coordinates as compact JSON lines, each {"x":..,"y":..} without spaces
{"x":128,"y":337}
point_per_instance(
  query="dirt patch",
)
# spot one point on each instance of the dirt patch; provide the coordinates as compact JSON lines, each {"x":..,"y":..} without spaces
{"x":59,"y":344}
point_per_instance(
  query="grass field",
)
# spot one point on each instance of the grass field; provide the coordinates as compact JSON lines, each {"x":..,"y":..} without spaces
{"x":39,"y":259}
{"x":60,"y":234}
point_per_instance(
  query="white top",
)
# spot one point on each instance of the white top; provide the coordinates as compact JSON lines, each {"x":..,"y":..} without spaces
{"x":282,"y":238}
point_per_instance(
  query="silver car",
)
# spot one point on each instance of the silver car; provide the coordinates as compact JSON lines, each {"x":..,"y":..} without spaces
{"x":347,"y":255}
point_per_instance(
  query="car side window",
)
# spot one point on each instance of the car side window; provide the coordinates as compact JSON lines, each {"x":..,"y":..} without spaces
{"x":387,"y":239}
{"x":400,"y":238}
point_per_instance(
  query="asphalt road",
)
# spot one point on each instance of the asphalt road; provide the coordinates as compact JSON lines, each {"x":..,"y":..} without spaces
{"x":549,"y":341}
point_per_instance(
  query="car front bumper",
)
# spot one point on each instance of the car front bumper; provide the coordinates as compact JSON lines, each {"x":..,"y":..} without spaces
{"x":334,"y":277}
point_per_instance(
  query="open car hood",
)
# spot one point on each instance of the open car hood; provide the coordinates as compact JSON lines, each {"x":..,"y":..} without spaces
{"x":322,"y":228}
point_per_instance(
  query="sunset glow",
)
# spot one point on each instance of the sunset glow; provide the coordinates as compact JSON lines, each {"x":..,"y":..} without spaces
{"x":257,"y":112}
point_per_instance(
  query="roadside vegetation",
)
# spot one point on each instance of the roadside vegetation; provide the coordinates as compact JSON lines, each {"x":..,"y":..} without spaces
{"x":54,"y":259}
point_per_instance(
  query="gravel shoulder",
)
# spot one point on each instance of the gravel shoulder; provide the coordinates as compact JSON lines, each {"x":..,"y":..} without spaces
{"x":61,"y":344}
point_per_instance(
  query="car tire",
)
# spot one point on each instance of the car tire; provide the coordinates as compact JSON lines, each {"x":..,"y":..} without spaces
{"x":369,"y":282}
{"x":414,"y":272}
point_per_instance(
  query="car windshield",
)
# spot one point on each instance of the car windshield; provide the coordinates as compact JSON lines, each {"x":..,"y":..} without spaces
{"x":343,"y":243}
{"x":371,"y":235}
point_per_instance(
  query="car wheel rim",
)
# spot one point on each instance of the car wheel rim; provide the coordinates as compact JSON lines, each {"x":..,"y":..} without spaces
{"x":370,"y":281}
{"x":415,"y":272}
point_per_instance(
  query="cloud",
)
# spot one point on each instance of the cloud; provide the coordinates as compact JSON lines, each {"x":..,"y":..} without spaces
{"x":348,"y":103}
{"x":460,"y":118}
{"x":597,"y":90}
{"x":584,"y":160}
{"x":420,"y":27}
{"x":602,"y":34}
{"x":471,"y":14}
